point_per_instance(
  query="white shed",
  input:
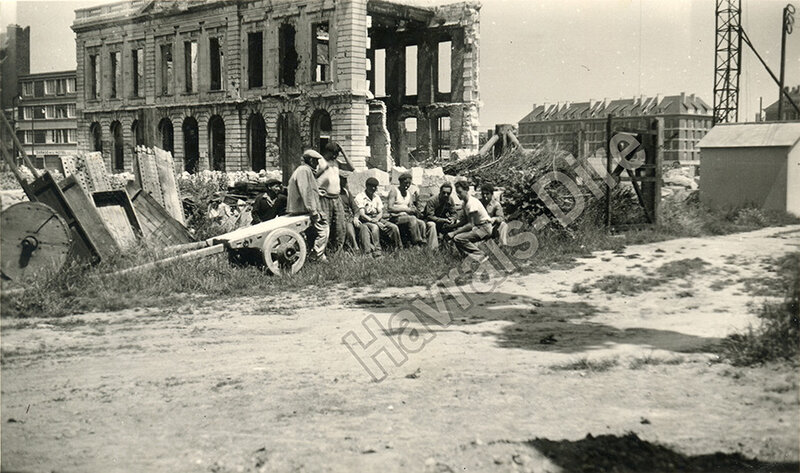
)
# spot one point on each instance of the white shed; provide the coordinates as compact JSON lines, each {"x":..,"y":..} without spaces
{"x":751,"y":164}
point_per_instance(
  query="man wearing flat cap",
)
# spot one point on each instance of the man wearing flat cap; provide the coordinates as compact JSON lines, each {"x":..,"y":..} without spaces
{"x":269,"y":204}
{"x":303,"y":199}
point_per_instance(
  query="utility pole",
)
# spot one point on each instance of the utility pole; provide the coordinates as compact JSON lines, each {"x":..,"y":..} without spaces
{"x":788,"y":24}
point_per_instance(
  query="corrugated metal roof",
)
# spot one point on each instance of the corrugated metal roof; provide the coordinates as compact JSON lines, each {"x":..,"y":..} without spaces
{"x":748,"y":135}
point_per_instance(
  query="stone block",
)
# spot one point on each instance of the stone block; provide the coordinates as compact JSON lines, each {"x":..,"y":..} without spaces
{"x":356,"y":180}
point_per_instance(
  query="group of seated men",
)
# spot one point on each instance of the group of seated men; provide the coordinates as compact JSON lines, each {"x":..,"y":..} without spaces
{"x":362,"y":222}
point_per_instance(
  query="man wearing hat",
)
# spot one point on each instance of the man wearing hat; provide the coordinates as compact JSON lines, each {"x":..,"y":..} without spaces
{"x":269,"y":204}
{"x":329,"y":187}
{"x":303,"y":199}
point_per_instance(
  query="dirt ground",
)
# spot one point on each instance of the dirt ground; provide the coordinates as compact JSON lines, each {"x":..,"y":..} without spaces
{"x":515,"y":383}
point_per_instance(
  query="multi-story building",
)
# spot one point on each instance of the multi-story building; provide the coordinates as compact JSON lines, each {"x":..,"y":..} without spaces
{"x":221,"y":82}
{"x":46,"y":119}
{"x":15,"y":60}
{"x":788,"y":112}
{"x":580,"y":128}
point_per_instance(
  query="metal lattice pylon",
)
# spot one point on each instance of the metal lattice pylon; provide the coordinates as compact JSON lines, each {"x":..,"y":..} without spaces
{"x":727,"y":61}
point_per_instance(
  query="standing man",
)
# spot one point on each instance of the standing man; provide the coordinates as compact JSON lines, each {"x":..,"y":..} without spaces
{"x":403,"y":206}
{"x":270,"y":204}
{"x":304,"y":199}
{"x":496,"y":215}
{"x":351,"y":221}
{"x":329,"y":190}
{"x":474,"y":226}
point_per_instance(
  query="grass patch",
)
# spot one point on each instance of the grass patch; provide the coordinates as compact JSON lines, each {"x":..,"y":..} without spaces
{"x":79,"y":289}
{"x":585,"y":364}
{"x":649,"y":360}
{"x":633,"y":285}
{"x":777,"y":337}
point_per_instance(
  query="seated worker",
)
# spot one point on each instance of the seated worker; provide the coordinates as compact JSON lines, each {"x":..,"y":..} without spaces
{"x":474,"y":225}
{"x":372,"y":223}
{"x":403,"y":206}
{"x":269,"y":204}
{"x":351,"y":220}
{"x":496,"y":215}
{"x":303,"y":199}
{"x":440,"y":210}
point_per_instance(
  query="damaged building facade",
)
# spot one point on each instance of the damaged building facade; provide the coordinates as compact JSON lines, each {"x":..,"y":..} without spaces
{"x":247,"y":85}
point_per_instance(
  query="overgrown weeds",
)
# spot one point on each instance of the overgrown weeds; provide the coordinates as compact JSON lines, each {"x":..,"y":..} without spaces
{"x":777,"y":336}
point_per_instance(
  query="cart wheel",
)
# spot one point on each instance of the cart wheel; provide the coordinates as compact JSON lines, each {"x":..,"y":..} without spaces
{"x":284,"y":251}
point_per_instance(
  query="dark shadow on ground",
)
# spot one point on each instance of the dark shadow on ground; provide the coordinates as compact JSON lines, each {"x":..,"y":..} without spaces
{"x":630,"y":454}
{"x":552,"y":326}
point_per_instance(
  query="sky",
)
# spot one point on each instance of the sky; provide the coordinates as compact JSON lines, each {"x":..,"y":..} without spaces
{"x":545,"y":51}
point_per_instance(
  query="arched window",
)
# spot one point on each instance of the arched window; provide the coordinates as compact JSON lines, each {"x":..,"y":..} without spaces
{"x":257,"y":141}
{"x":137,"y":133}
{"x":96,"y":132}
{"x":191,"y":145}
{"x":321,"y":129}
{"x":216,"y":142}
{"x":119,"y":150}
{"x":167,"y":135}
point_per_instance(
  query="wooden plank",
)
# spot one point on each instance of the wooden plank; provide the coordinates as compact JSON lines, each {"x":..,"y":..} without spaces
{"x":169,"y":185}
{"x":96,"y":171}
{"x":156,"y":224}
{"x":212,"y":250}
{"x":117,"y":211}
{"x":87,"y":235}
{"x":147,"y":177}
{"x":117,"y":222}
{"x":89,"y":217}
{"x":75,"y":166}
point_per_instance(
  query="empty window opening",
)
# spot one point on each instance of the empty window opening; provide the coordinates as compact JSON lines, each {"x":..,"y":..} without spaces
{"x":119,"y":153}
{"x":410,"y":125}
{"x":442,"y":137}
{"x":137,"y":59}
{"x":257,"y":142}
{"x":116,"y":74}
{"x":321,"y":128}
{"x":167,"y":135}
{"x":255,"y":59}
{"x":411,"y":70}
{"x":321,"y":53}
{"x":190,"y":65}
{"x":379,"y":67}
{"x":444,"y":66}
{"x":287,"y":54}
{"x":166,"y":69}
{"x":216,"y":142}
{"x":93,"y":76}
{"x":38,"y":88}
{"x":217,"y":60}
{"x":191,"y":145}
{"x":137,"y":133}
{"x":97,"y":136}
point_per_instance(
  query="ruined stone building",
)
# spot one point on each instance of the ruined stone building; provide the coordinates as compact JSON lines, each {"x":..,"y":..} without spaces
{"x":580,"y":127}
{"x":239,"y":85}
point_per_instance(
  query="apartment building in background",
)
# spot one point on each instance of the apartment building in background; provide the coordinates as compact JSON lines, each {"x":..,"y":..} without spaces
{"x":248,"y":85}
{"x":580,"y":127}
{"x":46,"y":117}
{"x":788,"y":113}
